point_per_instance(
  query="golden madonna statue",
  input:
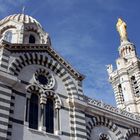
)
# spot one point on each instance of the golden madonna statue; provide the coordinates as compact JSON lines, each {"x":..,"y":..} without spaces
{"x":121,"y":28}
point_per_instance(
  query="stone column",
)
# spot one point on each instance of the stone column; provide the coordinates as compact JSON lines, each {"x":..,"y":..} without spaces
{"x":57,"y":119}
{"x":27,"y":108}
{"x":42,"y":112}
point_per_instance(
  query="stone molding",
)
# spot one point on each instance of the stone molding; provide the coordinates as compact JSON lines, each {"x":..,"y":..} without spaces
{"x":113,"y":110}
{"x":103,"y":121}
{"x":132,"y":132}
{"x":43,"y":48}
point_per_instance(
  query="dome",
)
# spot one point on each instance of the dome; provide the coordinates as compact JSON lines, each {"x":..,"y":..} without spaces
{"x":20,"y":18}
{"x":21,"y":28}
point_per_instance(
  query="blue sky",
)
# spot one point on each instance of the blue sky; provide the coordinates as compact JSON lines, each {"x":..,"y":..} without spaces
{"x":84,"y":33}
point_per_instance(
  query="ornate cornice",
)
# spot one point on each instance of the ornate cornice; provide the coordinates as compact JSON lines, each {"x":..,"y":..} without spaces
{"x":101,"y":107}
{"x":43,"y":48}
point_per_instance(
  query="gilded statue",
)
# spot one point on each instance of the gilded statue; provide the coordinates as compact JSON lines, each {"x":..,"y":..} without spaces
{"x":121,"y":28}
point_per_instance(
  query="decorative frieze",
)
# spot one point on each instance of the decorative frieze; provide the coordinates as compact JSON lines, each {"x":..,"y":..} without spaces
{"x":112,"y":109}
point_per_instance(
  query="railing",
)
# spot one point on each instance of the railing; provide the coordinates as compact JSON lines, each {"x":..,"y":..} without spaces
{"x":112,"y":109}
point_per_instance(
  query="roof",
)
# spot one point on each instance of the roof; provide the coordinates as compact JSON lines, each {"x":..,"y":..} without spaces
{"x":43,"y":48}
{"x":22,"y":18}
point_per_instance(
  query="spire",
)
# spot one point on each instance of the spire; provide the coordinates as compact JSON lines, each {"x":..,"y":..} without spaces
{"x":23,"y":9}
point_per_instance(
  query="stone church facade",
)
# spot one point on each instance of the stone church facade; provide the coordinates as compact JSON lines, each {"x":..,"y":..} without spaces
{"x":41,"y":94}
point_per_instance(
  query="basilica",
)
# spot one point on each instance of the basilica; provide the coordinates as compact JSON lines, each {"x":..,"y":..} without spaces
{"x":41,"y":94}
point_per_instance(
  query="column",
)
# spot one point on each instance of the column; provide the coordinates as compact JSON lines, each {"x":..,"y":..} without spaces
{"x":42,"y":113}
{"x":57,"y":119}
{"x":27,"y":108}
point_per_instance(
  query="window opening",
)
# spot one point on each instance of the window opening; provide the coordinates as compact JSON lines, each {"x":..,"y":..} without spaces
{"x":31,"y":39}
{"x":33,"y":112}
{"x":8,"y":36}
{"x":50,"y":115}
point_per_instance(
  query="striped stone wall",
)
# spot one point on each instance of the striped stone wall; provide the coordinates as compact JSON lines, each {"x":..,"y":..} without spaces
{"x":79,"y":124}
{"x":34,"y":58}
{"x":4,"y":59}
{"x":5,"y":110}
{"x":103,"y":121}
{"x":77,"y":118}
{"x":132,"y":132}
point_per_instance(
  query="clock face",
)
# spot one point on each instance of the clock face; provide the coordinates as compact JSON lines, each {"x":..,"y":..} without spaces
{"x":44,"y":78}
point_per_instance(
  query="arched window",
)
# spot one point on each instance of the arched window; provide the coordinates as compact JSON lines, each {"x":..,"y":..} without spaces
{"x":50,"y":115}
{"x":33,"y":112}
{"x":135,"y":85}
{"x":8,"y":36}
{"x":120,"y":88}
{"x":31,"y":39}
{"x":121,"y":97}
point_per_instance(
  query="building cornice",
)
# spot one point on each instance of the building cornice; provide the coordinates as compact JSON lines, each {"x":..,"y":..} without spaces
{"x":117,"y":73}
{"x":43,"y":48}
{"x":101,"y":108}
{"x":94,"y":107}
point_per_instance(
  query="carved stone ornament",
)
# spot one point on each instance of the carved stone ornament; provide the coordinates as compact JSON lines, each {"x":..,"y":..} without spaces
{"x":44,"y":79}
{"x":104,"y":137}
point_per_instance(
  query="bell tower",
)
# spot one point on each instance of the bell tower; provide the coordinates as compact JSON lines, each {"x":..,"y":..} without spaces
{"x":125,"y":79}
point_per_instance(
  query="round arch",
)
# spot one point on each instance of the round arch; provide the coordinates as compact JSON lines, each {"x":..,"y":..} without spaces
{"x":32,"y":88}
{"x":32,"y":28}
{"x":58,"y":102}
{"x":46,"y":93}
{"x":132,"y":132}
{"x":7,"y":27}
{"x":34,"y":58}
{"x":103,"y":121}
